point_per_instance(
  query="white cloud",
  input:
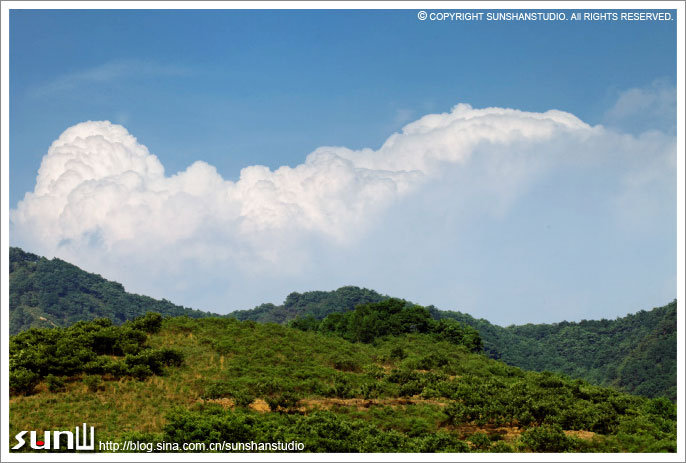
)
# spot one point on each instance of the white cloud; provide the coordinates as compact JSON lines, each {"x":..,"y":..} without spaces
{"x":641,"y":109}
{"x":108,"y":73}
{"x":96,"y":179}
{"x":103,"y":201}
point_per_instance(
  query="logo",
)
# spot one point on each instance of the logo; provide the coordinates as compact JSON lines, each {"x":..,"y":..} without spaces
{"x":54,"y":440}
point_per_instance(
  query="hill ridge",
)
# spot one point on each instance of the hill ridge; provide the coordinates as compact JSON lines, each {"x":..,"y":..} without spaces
{"x":52,"y":292}
{"x":624,"y":353}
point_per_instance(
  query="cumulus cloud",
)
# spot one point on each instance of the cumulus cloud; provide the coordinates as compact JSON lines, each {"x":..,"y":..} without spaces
{"x":639,"y":109}
{"x":97,"y":181}
{"x":102,"y":200}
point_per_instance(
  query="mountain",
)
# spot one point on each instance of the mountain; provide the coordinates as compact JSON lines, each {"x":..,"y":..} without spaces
{"x":636,"y":353}
{"x":51,"y":293}
{"x":410,"y":386}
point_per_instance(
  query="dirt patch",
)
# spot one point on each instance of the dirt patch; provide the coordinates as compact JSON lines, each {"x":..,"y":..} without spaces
{"x":506,"y":433}
{"x":324,"y":404}
{"x":223,"y":401}
{"x":362,"y":404}
{"x":260,"y":405}
{"x":510,"y":433}
{"x":581,"y":434}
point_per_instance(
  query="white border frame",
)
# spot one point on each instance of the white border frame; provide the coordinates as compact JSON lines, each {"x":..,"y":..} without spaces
{"x":381,"y":5}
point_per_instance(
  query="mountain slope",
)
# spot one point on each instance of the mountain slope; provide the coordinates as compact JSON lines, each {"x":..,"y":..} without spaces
{"x":636,"y":353}
{"x":48,"y":293}
{"x":244,"y":381}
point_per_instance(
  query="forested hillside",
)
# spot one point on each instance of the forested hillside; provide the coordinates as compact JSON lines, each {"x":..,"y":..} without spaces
{"x":49,"y":293}
{"x":317,"y":304}
{"x":412,"y":386}
{"x":636,"y":353}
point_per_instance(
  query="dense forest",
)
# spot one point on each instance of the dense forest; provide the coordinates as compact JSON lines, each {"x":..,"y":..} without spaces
{"x":316,"y":304}
{"x":635,"y":353}
{"x":52,"y":293}
{"x":391,"y":317}
{"x":412,"y":384}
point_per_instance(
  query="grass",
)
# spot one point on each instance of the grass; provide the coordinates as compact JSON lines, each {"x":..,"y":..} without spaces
{"x":368,"y":383}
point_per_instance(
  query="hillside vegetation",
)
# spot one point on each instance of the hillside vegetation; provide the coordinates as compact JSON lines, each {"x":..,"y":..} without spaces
{"x":51,"y":292}
{"x":90,"y":348}
{"x":391,"y":317}
{"x":316,"y":304}
{"x":414,"y":391}
{"x":636,"y":353}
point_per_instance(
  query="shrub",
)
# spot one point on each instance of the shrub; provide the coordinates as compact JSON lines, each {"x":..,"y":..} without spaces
{"x":55,"y":383}
{"x":457,"y":413}
{"x":501,"y":447}
{"x":549,"y":380}
{"x":576,"y":416}
{"x":402,"y":376}
{"x":383,"y":441}
{"x":171,"y":357}
{"x":217,"y":390}
{"x":314,"y":386}
{"x":341,"y":388}
{"x":441,"y":441}
{"x":543,"y":408}
{"x":661,"y":407}
{"x":270,"y":386}
{"x":432,"y":361}
{"x":23,"y":381}
{"x":242,"y":398}
{"x":374,"y":371}
{"x":140,"y":372}
{"x":94,"y":383}
{"x":480,"y":441}
{"x":546,"y":438}
{"x":327,"y":432}
{"x":460,"y":334}
{"x":346,"y":364}
{"x":151,"y":322}
{"x":411,"y":388}
{"x":369,"y":390}
{"x":284,"y":401}
{"x":212,"y":424}
{"x":606,"y":419}
{"x":398,"y":353}
{"x":418,"y":427}
{"x":154,"y":359}
{"x":430,"y":393}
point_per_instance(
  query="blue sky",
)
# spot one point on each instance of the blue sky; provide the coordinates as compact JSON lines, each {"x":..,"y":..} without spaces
{"x":243,"y":88}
